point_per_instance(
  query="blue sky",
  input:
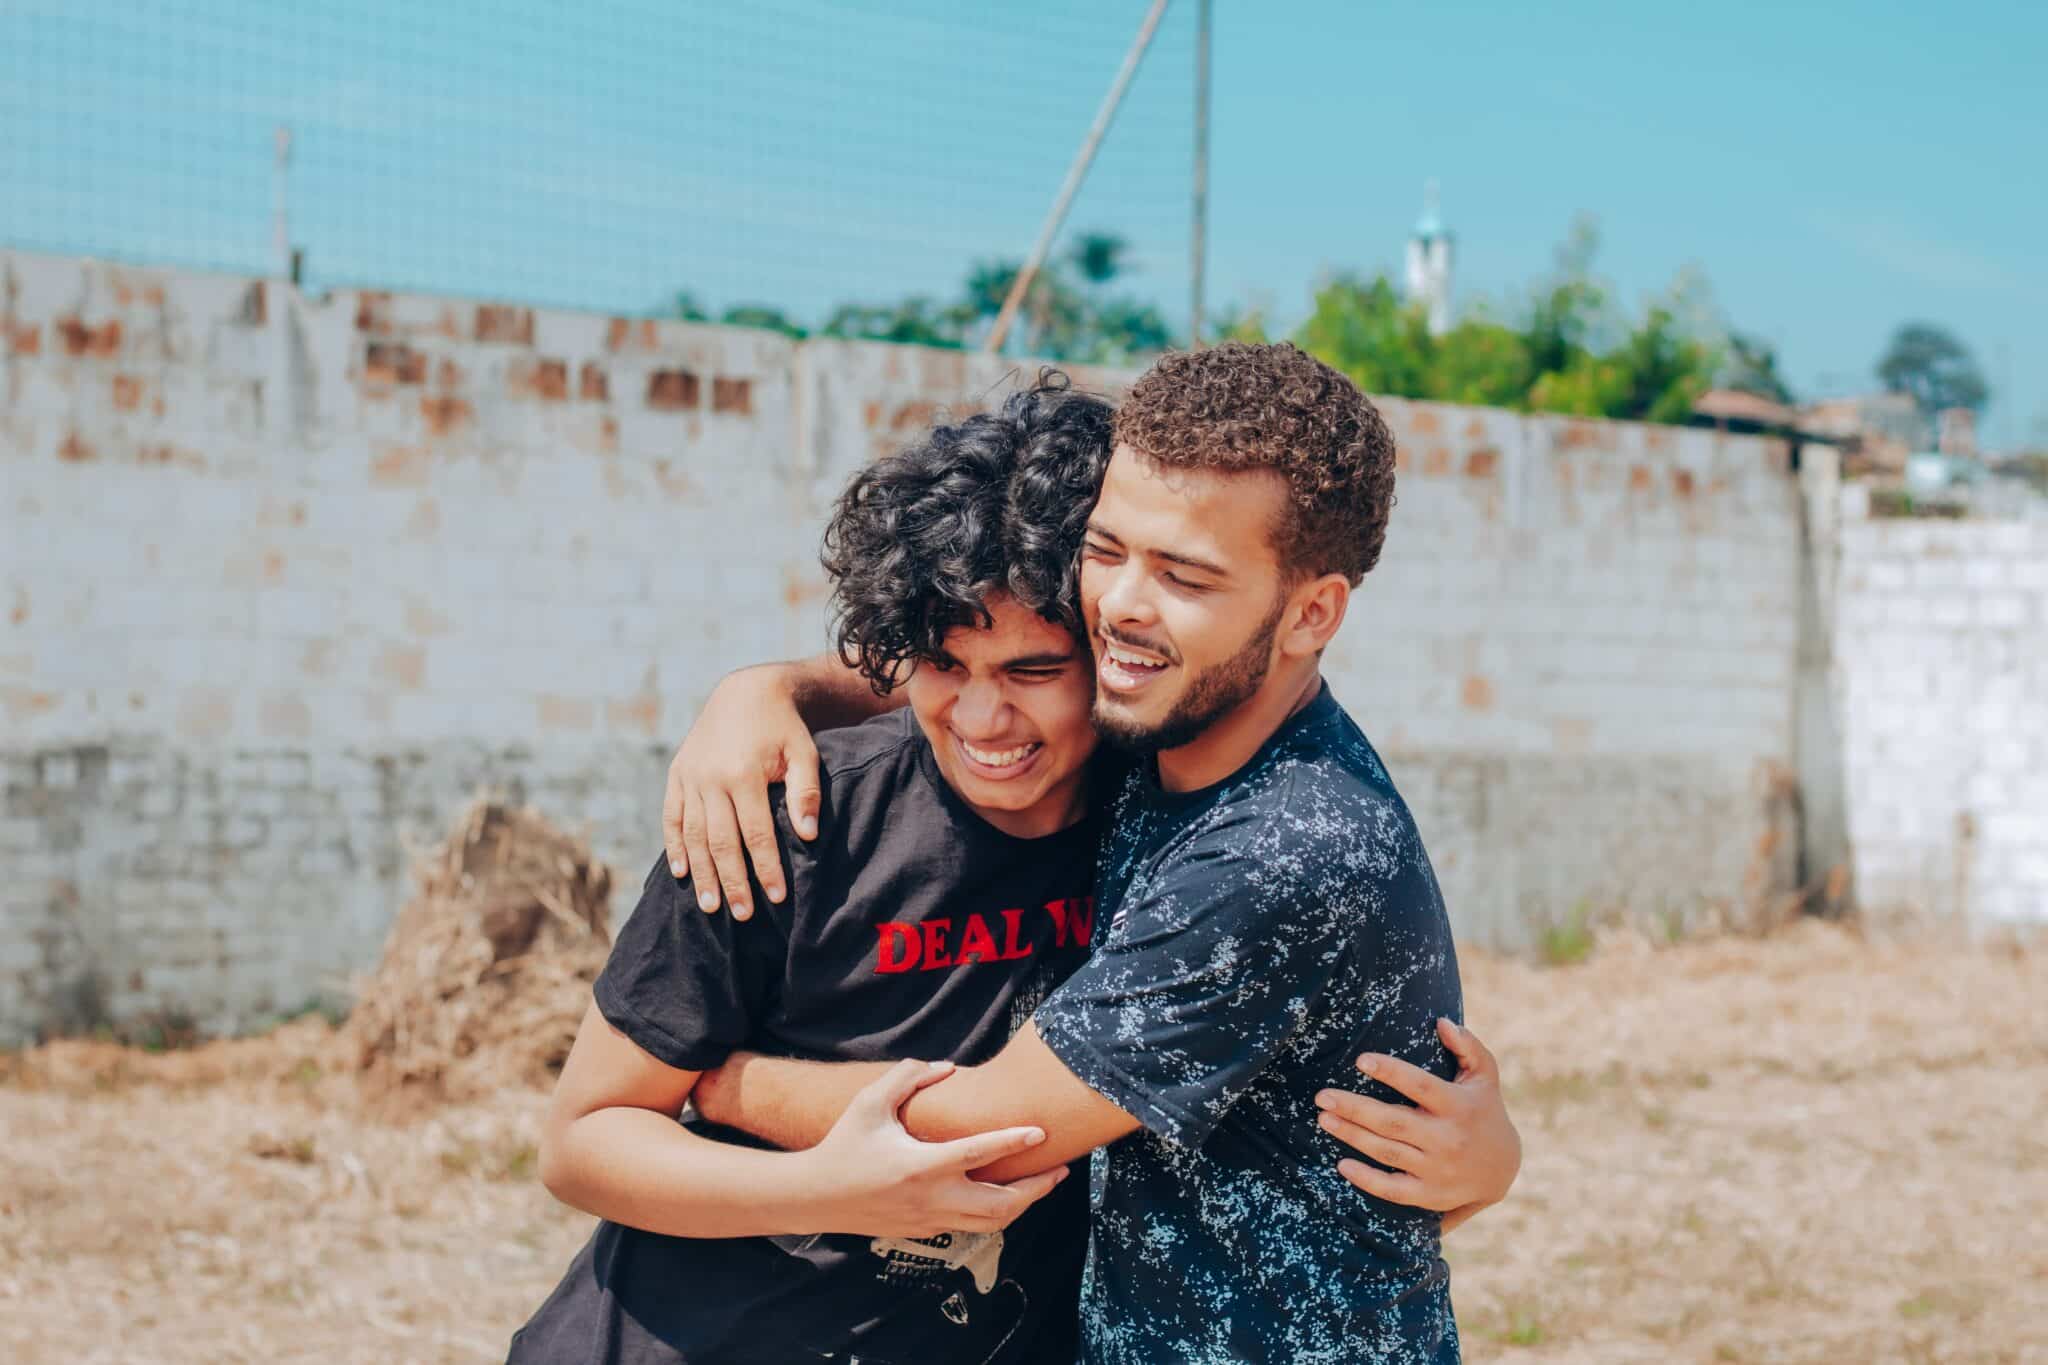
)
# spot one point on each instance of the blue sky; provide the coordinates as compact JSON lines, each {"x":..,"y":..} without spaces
{"x":1830,"y":170}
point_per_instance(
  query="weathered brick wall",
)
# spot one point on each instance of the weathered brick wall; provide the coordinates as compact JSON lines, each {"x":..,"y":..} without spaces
{"x":282,"y":581}
{"x":1942,"y":646}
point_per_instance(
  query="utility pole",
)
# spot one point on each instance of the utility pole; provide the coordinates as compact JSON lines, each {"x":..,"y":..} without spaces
{"x":280,"y":229}
{"x":1198,"y":237}
{"x":1075,"y":175}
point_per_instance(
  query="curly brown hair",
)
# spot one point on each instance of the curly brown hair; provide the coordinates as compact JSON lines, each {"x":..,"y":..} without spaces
{"x":997,"y":503}
{"x":1240,"y":407}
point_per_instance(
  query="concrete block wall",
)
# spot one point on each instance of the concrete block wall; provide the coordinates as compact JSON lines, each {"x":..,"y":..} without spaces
{"x":283,"y":580}
{"x":1942,"y":652}
{"x":1578,"y":655}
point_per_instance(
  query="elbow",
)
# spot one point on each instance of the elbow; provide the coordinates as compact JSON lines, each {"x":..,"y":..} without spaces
{"x":556,"y":1166}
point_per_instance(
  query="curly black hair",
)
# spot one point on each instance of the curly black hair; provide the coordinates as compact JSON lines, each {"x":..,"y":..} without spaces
{"x":921,"y":539}
{"x":1242,"y":407}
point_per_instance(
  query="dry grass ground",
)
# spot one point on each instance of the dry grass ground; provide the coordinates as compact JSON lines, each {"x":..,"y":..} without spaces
{"x":1806,"y":1148}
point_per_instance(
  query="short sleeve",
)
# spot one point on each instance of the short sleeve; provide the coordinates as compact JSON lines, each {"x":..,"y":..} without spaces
{"x":1211,"y":971}
{"x":687,"y":987}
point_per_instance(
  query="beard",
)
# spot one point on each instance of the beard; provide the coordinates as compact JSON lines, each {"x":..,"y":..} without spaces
{"x":1214,"y":693}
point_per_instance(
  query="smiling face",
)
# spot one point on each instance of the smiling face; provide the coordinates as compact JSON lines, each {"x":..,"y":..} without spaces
{"x":1006,"y":713}
{"x":1183,"y":595}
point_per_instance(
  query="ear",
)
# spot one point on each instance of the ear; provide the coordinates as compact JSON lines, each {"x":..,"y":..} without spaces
{"x":1315,"y":610}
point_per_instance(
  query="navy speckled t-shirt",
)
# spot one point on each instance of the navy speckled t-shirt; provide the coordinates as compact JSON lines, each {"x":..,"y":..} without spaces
{"x":1252,"y":939}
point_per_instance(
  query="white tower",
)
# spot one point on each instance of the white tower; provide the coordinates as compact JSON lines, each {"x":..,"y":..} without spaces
{"x":1429,"y":265}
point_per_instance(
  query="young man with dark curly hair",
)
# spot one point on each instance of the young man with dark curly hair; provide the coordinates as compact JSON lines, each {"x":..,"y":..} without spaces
{"x":1266,"y":912}
{"x":948,"y":889}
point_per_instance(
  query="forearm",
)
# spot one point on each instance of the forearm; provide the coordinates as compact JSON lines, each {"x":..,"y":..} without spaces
{"x":790,"y":1103}
{"x":642,"y":1169}
{"x":829,"y":694}
{"x":794,"y":1104}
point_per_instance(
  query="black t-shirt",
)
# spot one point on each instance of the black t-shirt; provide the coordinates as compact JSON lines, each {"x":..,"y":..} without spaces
{"x":1257,"y":936}
{"x":913,"y":928}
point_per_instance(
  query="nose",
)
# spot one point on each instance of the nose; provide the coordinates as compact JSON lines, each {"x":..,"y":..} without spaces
{"x":981,"y":711}
{"x":1124,"y":600}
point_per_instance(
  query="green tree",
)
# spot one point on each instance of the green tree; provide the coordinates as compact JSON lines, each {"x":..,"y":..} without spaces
{"x":1750,"y":365}
{"x":1362,"y":328}
{"x":1937,"y":370}
{"x":915,"y":321}
{"x":761,"y":315}
{"x":1570,"y":352}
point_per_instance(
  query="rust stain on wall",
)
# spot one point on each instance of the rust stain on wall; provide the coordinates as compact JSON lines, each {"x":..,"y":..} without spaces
{"x":399,"y":467}
{"x":373,"y":311}
{"x":1581,"y":436}
{"x":389,"y":363}
{"x":732,"y":395}
{"x":545,"y":378}
{"x":79,"y":339}
{"x":23,"y":702}
{"x":1476,"y":693}
{"x":640,"y":713}
{"x":1483,"y":463}
{"x":1437,"y":462}
{"x":1639,"y":478}
{"x":504,"y":324}
{"x":405,"y":665}
{"x":1571,"y":734}
{"x":1681,"y":482}
{"x":74,"y":449}
{"x":444,"y":415}
{"x":672,"y":390}
{"x":917,"y":414}
{"x":675,"y":483}
{"x":127,"y":392}
{"x":593,"y":384}
{"x":422,"y":619}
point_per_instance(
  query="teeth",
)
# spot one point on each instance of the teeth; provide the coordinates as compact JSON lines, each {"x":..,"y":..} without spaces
{"x":1128,"y":659}
{"x":999,"y":758}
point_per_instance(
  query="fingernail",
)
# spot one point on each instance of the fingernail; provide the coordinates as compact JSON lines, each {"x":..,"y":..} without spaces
{"x":940,"y":1066}
{"x":675,"y":868}
{"x":1328,"y":1121}
{"x":1348,"y":1167}
{"x":774,"y":894}
{"x":1369,"y":1065}
{"x":807,"y":827}
{"x":706,"y":901}
{"x":1034,"y":1137}
{"x":1325,"y":1098}
{"x":1064,"y":1172}
{"x":741,"y":910}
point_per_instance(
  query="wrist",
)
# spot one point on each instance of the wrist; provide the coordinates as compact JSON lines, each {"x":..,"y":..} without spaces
{"x":816,"y":1193}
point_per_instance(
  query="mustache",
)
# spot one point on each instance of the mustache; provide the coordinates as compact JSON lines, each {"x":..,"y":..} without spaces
{"x":1165,"y":652}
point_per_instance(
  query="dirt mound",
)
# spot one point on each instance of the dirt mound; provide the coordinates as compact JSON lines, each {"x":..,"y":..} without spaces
{"x":488,"y":967}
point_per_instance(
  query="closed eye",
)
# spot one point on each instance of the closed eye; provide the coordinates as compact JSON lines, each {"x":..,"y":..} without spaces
{"x":1186,"y":586}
